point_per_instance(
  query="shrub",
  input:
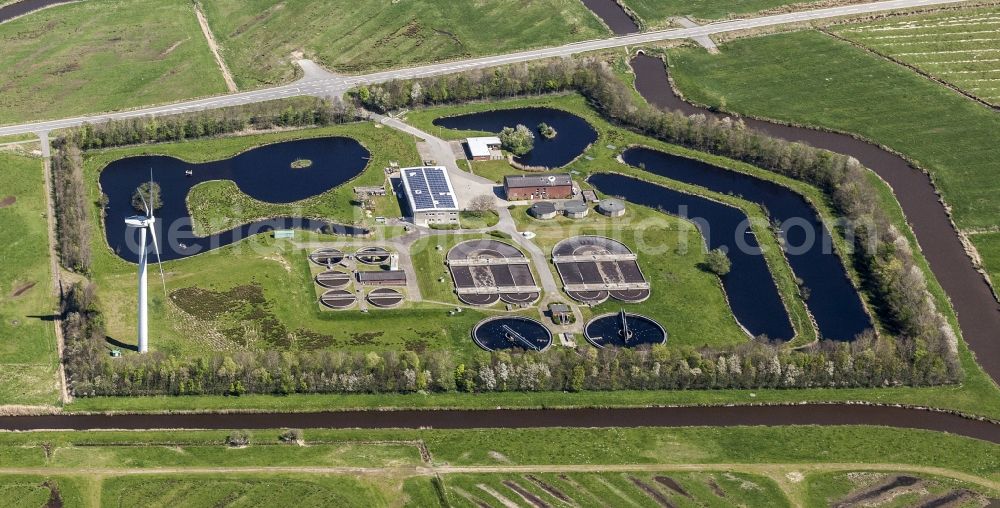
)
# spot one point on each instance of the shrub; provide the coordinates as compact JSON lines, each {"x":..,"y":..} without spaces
{"x":717,"y":262}
{"x":517,"y":140}
{"x":238,"y":438}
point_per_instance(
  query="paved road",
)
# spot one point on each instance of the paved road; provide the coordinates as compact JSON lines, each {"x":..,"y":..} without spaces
{"x":337,"y":85}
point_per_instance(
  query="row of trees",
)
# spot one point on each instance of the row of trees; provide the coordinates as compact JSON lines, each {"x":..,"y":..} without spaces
{"x":70,"y":203}
{"x":298,"y":112}
{"x":868,"y":362}
{"x":882,"y":251}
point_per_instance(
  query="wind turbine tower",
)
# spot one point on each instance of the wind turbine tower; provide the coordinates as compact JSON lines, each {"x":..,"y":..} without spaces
{"x":145,"y":224}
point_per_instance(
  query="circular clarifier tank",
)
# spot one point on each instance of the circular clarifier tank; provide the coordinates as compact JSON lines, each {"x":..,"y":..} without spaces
{"x":511,"y":332}
{"x":623,"y":329}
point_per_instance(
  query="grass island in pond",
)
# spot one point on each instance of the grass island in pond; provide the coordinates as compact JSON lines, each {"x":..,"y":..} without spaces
{"x":267,"y":173}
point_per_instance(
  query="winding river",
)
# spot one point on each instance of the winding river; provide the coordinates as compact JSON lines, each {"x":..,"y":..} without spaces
{"x":832,"y":300}
{"x":264,"y":173}
{"x":573,"y":134}
{"x":750,"y":288}
{"x":978,"y":311}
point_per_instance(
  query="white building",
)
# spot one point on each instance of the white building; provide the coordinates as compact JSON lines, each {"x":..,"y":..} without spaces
{"x":430,"y":195}
{"x":484,"y":149}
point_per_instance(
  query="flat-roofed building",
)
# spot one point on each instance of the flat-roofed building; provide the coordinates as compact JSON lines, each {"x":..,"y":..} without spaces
{"x":484,"y":148}
{"x":382,"y":278}
{"x":430,"y":195}
{"x":542,"y":186}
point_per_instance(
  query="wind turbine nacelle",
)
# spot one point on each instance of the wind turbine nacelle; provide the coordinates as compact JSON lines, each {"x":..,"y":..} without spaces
{"x":139,"y":221}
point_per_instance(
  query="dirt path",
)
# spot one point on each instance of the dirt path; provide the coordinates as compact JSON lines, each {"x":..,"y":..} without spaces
{"x":54,"y":268}
{"x":214,"y":46}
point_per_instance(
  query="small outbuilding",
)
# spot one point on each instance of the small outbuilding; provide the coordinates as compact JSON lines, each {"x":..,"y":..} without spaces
{"x":484,"y":148}
{"x":575,"y":209}
{"x":543,"y":210}
{"x":611,"y":207}
{"x":561,"y":313}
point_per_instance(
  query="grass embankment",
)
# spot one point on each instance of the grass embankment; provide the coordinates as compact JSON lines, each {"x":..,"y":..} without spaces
{"x":958,"y":47}
{"x":988,"y":246}
{"x":810,"y":78}
{"x":658,"y":13}
{"x":27,"y":337}
{"x":103,"y":55}
{"x":269,"y":302}
{"x":356,"y":37}
{"x":196,"y":467}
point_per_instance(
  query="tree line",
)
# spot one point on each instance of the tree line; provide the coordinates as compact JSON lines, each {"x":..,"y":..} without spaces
{"x":299,"y":112}
{"x":881,"y":252}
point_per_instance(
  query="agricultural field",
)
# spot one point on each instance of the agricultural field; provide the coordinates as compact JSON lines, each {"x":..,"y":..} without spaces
{"x":657,"y":13}
{"x":879,"y":488}
{"x":988,"y":246}
{"x":355,"y":37}
{"x":27,"y":334}
{"x":961,"y":48}
{"x":607,"y":489}
{"x":810,"y":78}
{"x":103,"y":55}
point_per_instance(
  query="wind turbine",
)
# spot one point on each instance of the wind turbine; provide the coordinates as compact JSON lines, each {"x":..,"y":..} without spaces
{"x":144,"y":223}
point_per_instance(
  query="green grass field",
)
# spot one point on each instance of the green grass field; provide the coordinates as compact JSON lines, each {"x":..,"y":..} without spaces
{"x":103,"y":55}
{"x":239,"y":490}
{"x":988,"y":246}
{"x":258,"y":37}
{"x":27,"y":336}
{"x":959,"y":47}
{"x":749,"y":466}
{"x":657,"y":13}
{"x":810,"y":78}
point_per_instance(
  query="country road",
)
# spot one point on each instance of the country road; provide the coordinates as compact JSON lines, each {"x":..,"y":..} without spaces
{"x":336,"y":86}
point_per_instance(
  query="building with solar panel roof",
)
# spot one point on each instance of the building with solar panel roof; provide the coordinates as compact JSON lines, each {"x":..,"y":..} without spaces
{"x":430,"y":195}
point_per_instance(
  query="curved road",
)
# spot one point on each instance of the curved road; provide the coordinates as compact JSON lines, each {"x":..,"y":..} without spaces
{"x":336,"y":86}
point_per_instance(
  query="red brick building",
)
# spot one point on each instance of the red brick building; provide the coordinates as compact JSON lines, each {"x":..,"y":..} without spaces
{"x":543,"y":186}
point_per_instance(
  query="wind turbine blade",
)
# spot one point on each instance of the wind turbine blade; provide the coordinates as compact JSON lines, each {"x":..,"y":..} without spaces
{"x":144,"y":205}
{"x":149,"y":211}
{"x":159,"y":264}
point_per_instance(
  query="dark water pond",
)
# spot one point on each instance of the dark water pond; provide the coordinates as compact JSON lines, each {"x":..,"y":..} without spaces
{"x":25,"y":6}
{"x":833,"y":299}
{"x":264,"y":173}
{"x":613,"y":15}
{"x":750,"y":287}
{"x":573,"y":134}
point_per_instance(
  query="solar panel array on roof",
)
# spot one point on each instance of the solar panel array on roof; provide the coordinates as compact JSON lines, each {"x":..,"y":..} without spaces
{"x":429,"y":189}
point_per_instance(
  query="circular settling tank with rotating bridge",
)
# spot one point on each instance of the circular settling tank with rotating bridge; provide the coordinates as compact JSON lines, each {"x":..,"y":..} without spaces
{"x":326,"y":256}
{"x":372,"y":255}
{"x":623,"y":330}
{"x":511,"y":332}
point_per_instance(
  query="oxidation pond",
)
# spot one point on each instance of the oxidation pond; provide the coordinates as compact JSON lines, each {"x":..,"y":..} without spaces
{"x":833,"y":300}
{"x":573,"y":134}
{"x":749,"y":286}
{"x":264,"y":173}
